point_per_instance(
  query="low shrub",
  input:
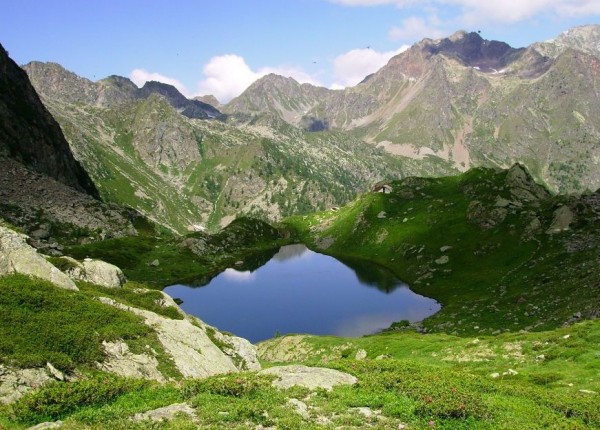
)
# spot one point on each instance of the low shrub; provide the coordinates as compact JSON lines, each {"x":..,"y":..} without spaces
{"x":233,"y":385}
{"x":41,"y":322}
{"x":57,"y":400}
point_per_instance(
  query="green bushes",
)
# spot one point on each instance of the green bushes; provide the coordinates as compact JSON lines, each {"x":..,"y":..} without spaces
{"x":57,"y":400}
{"x":42,"y":323}
{"x":438,"y":393}
{"x":136,"y":295}
{"x":233,"y":385}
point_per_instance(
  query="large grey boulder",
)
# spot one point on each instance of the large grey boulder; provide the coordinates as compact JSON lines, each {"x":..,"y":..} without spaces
{"x":121,"y":361}
{"x":522,"y":186}
{"x":240,"y":350}
{"x":16,"y":256}
{"x":95,"y":271}
{"x":188,"y":342}
{"x":308,"y":377}
{"x":563,"y":217}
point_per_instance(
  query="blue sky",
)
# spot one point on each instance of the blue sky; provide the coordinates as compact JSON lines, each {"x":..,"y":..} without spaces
{"x":221,"y":46}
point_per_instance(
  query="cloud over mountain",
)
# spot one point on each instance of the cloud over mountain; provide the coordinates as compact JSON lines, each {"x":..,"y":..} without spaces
{"x":227,"y":76}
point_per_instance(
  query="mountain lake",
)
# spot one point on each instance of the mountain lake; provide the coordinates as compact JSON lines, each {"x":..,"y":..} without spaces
{"x":301,"y":291}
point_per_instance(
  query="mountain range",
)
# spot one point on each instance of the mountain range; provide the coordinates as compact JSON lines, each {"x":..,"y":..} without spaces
{"x":464,"y":100}
{"x":283,"y":148}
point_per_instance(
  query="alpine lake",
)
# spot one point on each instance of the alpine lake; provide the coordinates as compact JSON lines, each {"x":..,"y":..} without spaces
{"x":301,"y":291}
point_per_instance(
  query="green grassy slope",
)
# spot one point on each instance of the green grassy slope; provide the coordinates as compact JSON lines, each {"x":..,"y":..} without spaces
{"x":164,"y":260}
{"x":182,"y":172}
{"x":408,"y":381}
{"x":477,"y":243}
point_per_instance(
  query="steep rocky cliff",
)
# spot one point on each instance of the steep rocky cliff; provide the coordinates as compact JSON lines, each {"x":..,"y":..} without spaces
{"x":29,"y":133}
{"x":43,"y":188}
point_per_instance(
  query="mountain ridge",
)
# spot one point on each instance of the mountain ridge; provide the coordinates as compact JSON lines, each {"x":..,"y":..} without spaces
{"x":443,"y":98}
{"x":57,"y":82}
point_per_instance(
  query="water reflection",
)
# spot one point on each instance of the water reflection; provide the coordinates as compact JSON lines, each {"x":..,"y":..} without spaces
{"x":237,"y":275}
{"x":300,"y":291}
{"x":291,"y":251}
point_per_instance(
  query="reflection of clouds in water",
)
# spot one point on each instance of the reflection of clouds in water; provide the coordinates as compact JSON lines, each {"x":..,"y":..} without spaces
{"x":236,"y":275}
{"x":364,"y":324}
{"x":368,"y":324}
{"x":289,"y":252}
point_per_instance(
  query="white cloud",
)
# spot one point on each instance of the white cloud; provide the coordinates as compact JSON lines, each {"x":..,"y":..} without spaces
{"x":227,"y":76}
{"x":353,"y":66}
{"x":580,"y":8}
{"x":141,"y":76}
{"x":239,"y":276}
{"x":374,"y":2}
{"x":505,"y":11}
{"x":416,"y":28}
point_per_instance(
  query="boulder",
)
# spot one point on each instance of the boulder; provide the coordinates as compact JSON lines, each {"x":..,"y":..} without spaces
{"x":16,"y":256}
{"x":47,"y":425}
{"x":563,"y":217}
{"x":188,"y":343}
{"x":240,"y":350}
{"x":95,"y":271}
{"x":442,"y":260}
{"x":14,"y":383}
{"x":166,"y":413}
{"x":123,"y":362}
{"x":308,"y":377}
{"x":361,"y":354}
{"x":299,"y":407}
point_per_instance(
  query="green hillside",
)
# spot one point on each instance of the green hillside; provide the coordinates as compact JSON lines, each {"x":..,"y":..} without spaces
{"x":496,"y":249}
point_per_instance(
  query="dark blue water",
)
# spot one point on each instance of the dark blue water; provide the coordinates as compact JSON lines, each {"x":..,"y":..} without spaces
{"x":300,"y":291}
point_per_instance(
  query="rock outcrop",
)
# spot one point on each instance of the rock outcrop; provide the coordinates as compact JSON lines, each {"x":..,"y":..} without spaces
{"x":188,"y":343}
{"x":121,"y":361}
{"x":165,"y":413}
{"x":14,"y":383}
{"x":308,"y":377}
{"x":95,"y":271}
{"x":16,"y":256}
{"x":29,"y":134}
{"x":49,"y":210}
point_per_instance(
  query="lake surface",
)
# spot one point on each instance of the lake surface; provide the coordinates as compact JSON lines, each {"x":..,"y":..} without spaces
{"x":301,"y":291}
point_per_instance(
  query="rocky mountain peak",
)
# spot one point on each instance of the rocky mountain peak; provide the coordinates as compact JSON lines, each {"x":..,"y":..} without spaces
{"x":55,"y":82}
{"x":585,"y":38}
{"x":168,"y":91}
{"x":472,"y":50}
{"x":209,"y":99}
{"x":275,"y":81}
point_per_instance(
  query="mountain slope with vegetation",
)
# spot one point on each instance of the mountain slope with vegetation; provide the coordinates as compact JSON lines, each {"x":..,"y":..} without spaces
{"x":186,"y":173}
{"x":495,"y":248}
{"x":516,"y":269}
{"x":464,"y":100}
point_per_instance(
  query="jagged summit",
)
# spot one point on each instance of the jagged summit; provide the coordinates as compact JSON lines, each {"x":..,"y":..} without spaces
{"x":585,"y":38}
{"x":465,"y":100}
{"x":190,"y":108}
{"x":54,"y":81}
{"x":472,"y":50}
{"x":209,"y":99}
